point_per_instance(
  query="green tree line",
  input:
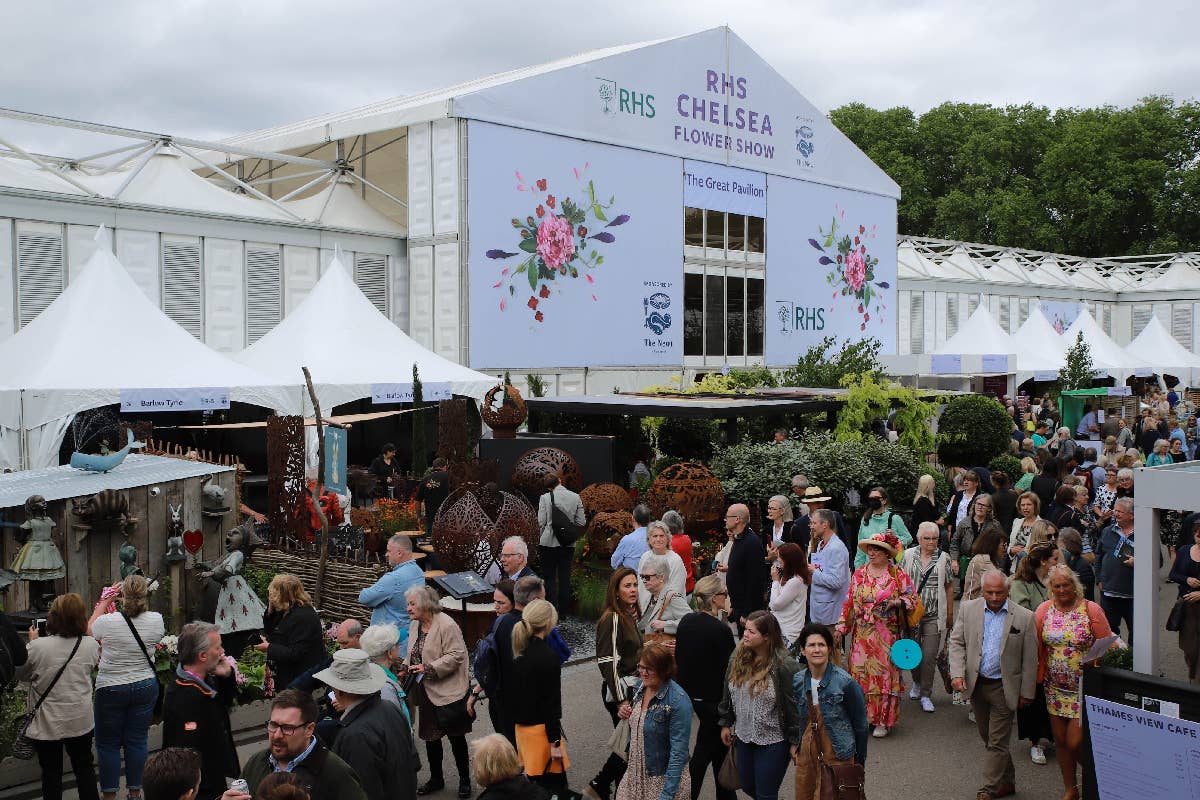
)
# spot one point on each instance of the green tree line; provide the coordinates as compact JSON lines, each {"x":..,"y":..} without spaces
{"x":1091,"y":182}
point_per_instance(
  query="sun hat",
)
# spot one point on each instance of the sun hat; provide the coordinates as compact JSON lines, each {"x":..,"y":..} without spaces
{"x":352,"y":672}
{"x":814,"y":494}
{"x":884,"y":541}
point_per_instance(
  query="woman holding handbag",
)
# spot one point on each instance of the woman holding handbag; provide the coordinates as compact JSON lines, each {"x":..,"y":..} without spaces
{"x":1067,"y":627}
{"x":758,"y":707}
{"x":929,"y":569}
{"x":664,"y":605}
{"x":832,"y":711}
{"x":660,"y":728}
{"x":437,"y":658}
{"x":59,"y":671}
{"x":879,"y":594}
{"x":1186,"y":572}
{"x":537,"y":673}
{"x":127,"y":687}
{"x":618,"y":642}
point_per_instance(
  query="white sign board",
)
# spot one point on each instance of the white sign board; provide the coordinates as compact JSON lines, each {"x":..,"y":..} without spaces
{"x":193,"y":399}
{"x":576,"y":252}
{"x":1119,"y":391}
{"x":706,"y":96}
{"x":945,"y":364}
{"x":995,"y":364}
{"x":384,"y":393}
{"x":831,"y":268}
{"x":1139,"y":754}
{"x":718,"y":188}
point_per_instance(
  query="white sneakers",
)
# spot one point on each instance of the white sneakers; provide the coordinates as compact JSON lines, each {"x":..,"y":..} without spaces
{"x":926,"y":705}
{"x":1037,"y":755}
{"x":880,"y":731}
{"x":971,"y":715}
{"x":914,"y":692}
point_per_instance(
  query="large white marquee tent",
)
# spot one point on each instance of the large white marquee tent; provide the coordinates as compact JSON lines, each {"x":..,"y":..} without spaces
{"x":1155,"y":345}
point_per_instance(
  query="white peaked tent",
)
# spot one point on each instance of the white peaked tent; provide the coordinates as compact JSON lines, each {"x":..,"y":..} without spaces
{"x":1156,"y":348}
{"x":980,"y":334}
{"x":1106,"y":354}
{"x":348,"y":345}
{"x":102,"y":335}
{"x":1039,"y":348}
{"x":339,"y":205}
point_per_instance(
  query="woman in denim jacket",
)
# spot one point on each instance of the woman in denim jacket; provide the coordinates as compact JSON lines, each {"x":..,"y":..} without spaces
{"x":758,"y":708}
{"x":840,"y":712}
{"x":660,"y":729}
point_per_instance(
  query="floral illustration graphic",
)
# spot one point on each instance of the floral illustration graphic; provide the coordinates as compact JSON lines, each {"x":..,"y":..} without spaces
{"x":853,"y":267}
{"x":561,"y":240}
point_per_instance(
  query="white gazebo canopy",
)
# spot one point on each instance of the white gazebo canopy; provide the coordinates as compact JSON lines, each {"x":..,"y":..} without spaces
{"x":1155,"y":347}
{"x":102,"y":335}
{"x":339,"y":205}
{"x":348,"y":346}
{"x":980,"y":334}
{"x":1106,"y":354}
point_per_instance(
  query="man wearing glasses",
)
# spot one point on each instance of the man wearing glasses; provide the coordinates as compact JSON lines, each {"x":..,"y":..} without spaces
{"x":514,"y":559}
{"x":292,"y":746}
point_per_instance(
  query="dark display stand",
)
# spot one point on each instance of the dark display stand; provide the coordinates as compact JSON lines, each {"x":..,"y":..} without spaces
{"x":593,"y":454}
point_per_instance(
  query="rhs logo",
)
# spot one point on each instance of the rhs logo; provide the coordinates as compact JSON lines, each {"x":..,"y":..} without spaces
{"x":658,"y":319}
{"x":615,"y":99}
{"x":805,"y":144}
{"x":796,"y":317}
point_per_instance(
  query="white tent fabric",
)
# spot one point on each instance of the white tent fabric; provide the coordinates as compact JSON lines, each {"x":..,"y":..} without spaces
{"x":1157,"y":348}
{"x":102,"y":335}
{"x":981,"y":334}
{"x":339,"y":205}
{"x":166,"y":180}
{"x":19,"y":175}
{"x":1039,"y":348}
{"x":1106,"y":353}
{"x":348,"y":346}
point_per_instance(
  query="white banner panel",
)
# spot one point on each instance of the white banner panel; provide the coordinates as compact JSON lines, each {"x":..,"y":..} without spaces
{"x":195,"y":399}
{"x":576,"y":252}
{"x":718,"y":188}
{"x":384,"y":393}
{"x":945,"y":364}
{"x":831,"y":268}
{"x":995,"y":363}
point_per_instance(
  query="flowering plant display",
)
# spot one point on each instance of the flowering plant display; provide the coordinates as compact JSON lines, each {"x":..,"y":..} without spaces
{"x":853,"y":267}
{"x":561,"y":239}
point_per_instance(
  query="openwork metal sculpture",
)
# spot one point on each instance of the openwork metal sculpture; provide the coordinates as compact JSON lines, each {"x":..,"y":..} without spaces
{"x":605,"y":529}
{"x":691,"y":489}
{"x":530,"y":471}
{"x":285,"y":478}
{"x":605,"y":497}
{"x":453,"y":437}
{"x":473,"y":522}
{"x":503,"y":409}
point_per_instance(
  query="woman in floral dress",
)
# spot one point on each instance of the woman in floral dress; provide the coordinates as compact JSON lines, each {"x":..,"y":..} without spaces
{"x":1067,"y":626}
{"x":879,"y":593}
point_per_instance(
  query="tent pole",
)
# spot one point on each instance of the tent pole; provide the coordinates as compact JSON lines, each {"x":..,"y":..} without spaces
{"x":150,"y":151}
{"x":56,"y":173}
{"x":22,"y":436}
{"x":236,"y":181}
{"x":306,"y":186}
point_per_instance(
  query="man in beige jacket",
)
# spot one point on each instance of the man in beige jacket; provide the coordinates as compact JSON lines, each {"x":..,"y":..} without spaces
{"x":993,"y":661}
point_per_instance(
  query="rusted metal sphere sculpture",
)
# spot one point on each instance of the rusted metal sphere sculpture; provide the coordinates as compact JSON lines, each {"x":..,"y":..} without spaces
{"x":503,"y":409}
{"x":691,"y":489}
{"x":530,"y":471}
{"x":474,"y":521}
{"x":606,"y":528}
{"x":605,"y":497}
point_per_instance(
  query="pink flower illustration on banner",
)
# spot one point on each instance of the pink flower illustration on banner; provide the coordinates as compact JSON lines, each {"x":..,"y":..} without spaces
{"x":555,"y":242}
{"x":562,"y":239}
{"x":855,"y":271}
{"x":851,"y":266}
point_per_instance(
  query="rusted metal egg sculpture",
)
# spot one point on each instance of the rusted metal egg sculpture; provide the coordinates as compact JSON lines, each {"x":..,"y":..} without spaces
{"x":691,"y":489}
{"x":530,"y":471}
{"x":474,"y":521}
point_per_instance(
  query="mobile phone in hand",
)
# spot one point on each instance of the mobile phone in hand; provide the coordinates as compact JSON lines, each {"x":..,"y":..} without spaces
{"x":41,"y":627}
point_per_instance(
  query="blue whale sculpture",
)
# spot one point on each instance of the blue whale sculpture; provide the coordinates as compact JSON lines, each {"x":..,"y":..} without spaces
{"x":92,"y":463}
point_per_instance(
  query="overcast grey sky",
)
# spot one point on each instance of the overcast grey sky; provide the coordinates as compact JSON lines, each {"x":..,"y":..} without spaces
{"x":209,"y":68}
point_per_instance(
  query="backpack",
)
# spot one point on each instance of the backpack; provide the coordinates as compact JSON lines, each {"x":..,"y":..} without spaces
{"x":565,"y":529}
{"x":487,"y":664}
{"x":1085,"y":476}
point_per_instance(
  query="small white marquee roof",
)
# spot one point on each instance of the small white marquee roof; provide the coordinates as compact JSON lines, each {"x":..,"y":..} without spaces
{"x":1106,"y":353}
{"x":19,"y":175}
{"x":102,"y":335}
{"x":1155,"y":346}
{"x":339,"y":205}
{"x":981,"y":334}
{"x":348,"y":345}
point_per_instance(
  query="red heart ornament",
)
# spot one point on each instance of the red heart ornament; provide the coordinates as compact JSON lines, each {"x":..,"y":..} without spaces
{"x":193,"y":541}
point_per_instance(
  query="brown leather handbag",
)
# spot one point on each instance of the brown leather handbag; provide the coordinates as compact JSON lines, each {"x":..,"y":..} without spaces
{"x":838,"y":781}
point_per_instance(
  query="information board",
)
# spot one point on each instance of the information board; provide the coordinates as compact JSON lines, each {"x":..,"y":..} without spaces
{"x":194,"y":399}
{"x":1141,"y":754}
{"x":384,"y":393}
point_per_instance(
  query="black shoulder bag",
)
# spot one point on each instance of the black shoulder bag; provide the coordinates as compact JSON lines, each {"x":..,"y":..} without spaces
{"x":23,"y":746}
{"x":565,"y":529}
{"x":158,"y":702}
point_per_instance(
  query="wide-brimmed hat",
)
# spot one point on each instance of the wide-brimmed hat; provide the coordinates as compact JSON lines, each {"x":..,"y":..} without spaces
{"x":815,"y":494}
{"x":884,"y":541}
{"x":352,"y":672}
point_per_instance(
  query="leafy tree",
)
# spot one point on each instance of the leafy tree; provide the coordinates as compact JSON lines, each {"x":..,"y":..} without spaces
{"x":1008,"y":464}
{"x":819,"y":367}
{"x":973,"y":430}
{"x":868,"y":401}
{"x":1078,"y":371}
{"x":420,"y":458}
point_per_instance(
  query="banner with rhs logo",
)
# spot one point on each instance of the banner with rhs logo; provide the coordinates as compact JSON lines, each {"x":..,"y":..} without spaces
{"x":575,"y":252}
{"x":831,"y":267}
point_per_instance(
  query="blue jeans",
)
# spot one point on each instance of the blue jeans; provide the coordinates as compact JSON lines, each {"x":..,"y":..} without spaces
{"x":122,"y":720}
{"x":761,"y":767}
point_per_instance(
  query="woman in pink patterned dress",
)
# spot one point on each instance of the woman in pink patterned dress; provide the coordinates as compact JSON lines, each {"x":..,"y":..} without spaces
{"x":1067,"y":626}
{"x":879,"y":593}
